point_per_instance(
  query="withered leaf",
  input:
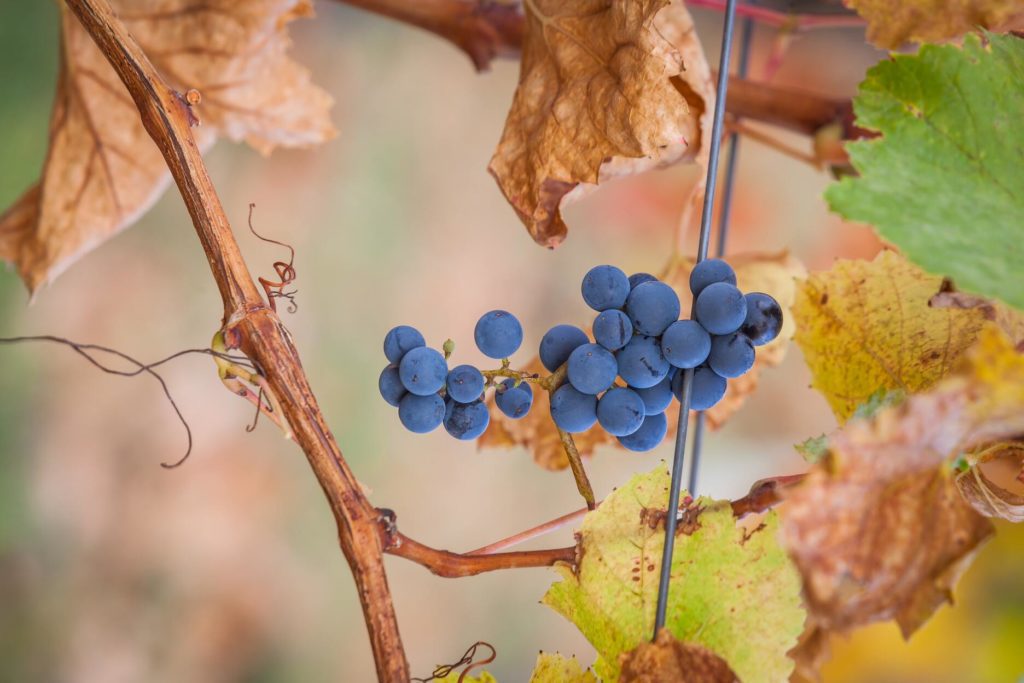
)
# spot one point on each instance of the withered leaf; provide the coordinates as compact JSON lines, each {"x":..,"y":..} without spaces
{"x":894,"y":22}
{"x":774,"y":274}
{"x":103,"y":171}
{"x":668,"y":660}
{"x":605,"y":89}
{"x":878,"y":529}
{"x":992,"y":485}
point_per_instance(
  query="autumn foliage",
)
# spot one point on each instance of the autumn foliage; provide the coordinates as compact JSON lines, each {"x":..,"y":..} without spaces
{"x":919,"y":352}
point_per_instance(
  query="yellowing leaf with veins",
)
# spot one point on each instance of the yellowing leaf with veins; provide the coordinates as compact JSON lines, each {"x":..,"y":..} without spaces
{"x":103,"y":171}
{"x":894,"y":22}
{"x":734,"y":591}
{"x":866,"y":326}
{"x":879,"y":529}
{"x":554,"y":668}
{"x":773,"y":274}
{"x":606,"y":88}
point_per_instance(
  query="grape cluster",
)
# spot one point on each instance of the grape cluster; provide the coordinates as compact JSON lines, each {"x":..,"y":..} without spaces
{"x":639,"y":338}
{"x":427,"y":394}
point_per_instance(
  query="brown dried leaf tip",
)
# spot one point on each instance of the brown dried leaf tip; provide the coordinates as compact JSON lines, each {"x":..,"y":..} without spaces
{"x":668,"y":660}
{"x":103,"y":171}
{"x":602,"y":92}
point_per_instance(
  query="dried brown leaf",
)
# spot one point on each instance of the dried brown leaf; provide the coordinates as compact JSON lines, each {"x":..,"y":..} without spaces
{"x":992,"y":486}
{"x":103,"y":171}
{"x":774,"y":274}
{"x":894,"y":22}
{"x":668,"y":660}
{"x":810,"y":654}
{"x":605,"y":89}
{"x":878,"y":528}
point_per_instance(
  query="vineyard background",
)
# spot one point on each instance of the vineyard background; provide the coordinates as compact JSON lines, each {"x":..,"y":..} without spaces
{"x":114,"y":569}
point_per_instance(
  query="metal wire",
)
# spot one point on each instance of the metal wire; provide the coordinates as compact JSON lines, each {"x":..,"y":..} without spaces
{"x":678,"y":459}
{"x":724,"y":211}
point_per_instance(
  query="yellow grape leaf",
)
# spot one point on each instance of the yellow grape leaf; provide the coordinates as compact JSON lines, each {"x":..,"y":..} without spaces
{"x":866,"y":326}
{"x":894,"y":22}
{"x":734,"y":591}
{"x":103,"y":171}
{"x":878,"y":528}
{"x":668,"y":660}
{"x":554,"y":668}
{"x":605,"y":89}
{"x":773,"y":274}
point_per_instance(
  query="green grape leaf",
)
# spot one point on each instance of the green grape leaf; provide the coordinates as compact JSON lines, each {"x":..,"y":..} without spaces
{"x":554,"y":668}
{"x":813,"y":449}
{"x":944,"y":181}
{"x":734,"y":590}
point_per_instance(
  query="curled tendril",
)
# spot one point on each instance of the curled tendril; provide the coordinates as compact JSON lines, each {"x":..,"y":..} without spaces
{"x":468,"y":660}
{"x":285,"y":273}
{"x":87,"y":351}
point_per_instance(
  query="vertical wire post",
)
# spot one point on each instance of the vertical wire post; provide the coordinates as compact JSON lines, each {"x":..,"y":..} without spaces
{"x":724,"y":213}
{"x":678,"y":459}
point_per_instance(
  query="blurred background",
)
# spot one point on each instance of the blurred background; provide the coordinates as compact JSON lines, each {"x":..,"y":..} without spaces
{"x":227,"y":569}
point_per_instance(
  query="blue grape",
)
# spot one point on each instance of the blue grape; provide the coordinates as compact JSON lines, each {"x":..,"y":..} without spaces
{"x":612,"y":329}
{"x":390,"y":385}
{"x":605,"y":287}
{"x":651,"y":433}
{"x":514,"y":401}
{"x":640,"y":278}
{"x":558,"y":343}
{"x":421,"y":414}
{"x":641,"y":362}
{"x":652,"y":307}
{"x":686,"y":344}
{"x":572,"y":410}
{"x":707,"y":389}
{"x":498,"y":334}
{"x":620,"y":411}
{"x":657,"y":398}
{"x":465,"y":384}
{"x":721,"y":308}
{"x":466,"y":421}
{"x":423,"y":371}
{"x":708,"y":272}
{"x":400,"y":340}
{"x":592,"y":368}
{"x":731,"y":355}
{"x":764,"y":318}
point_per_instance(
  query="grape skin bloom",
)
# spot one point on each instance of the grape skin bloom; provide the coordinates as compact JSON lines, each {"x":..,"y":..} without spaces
{"x":612,"y":329}
{"x":400,"y":340}
{"x":572,"y":410}
{"x":592,"y":368}
{"x":421,"y":414}
{"x":651,"y":433}
{"x":423,"y":371}
{"x":514,"y":401}
{"x":465,"y":384}
{"x":721,"y":308}
{"x":605,"y":287}
{"x":498,"y":334}
{"x":558,"y":343}
{"x":466,"y":421}
{"x":652,"y":307}
{"x":620,"y":411}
